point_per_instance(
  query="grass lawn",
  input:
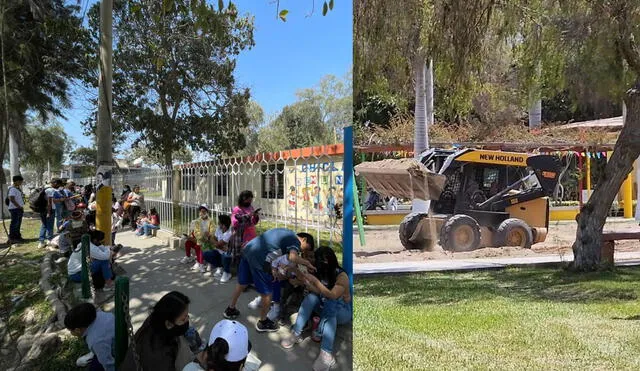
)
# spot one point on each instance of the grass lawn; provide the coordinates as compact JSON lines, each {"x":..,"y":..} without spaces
{"x":19,"y":276}
{"x":511,"y":319}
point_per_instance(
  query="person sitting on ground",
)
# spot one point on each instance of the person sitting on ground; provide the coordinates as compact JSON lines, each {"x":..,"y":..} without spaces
{"x":330,"y":295}
{"x":116,"y":219}
{"x":219,"y":257}
{"x":228,"y":349}
{"x":142,"y":220}
{"x":101,"y":260}
{"x":201,"y":232}
{"x":255,"y":267}
{"x":71,"y":232}
{"x":98,"y":330}
{"x":288,"y":289}
{"x":152,"y":223}
{"x":136,"y":204}
{"x":160,"y":341}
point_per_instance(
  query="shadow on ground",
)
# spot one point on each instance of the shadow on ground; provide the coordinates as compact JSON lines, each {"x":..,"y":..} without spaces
{"x":516,"y":283}
{"x":155,"y":270}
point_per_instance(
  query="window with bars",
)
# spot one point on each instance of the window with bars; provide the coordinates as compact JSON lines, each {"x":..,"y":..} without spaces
{"x":273,"y":181}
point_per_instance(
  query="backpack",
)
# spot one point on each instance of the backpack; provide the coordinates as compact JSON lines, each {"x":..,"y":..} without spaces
{"x":6,"y":200}
{"x":38,"y":201}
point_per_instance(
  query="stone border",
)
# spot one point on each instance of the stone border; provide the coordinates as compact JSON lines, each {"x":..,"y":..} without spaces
{"x":51,"y":294}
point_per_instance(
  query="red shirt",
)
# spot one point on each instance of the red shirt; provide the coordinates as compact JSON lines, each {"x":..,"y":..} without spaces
{"x":154,"y":219}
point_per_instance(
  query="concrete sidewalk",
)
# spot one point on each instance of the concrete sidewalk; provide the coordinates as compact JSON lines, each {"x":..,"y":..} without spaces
{"x":622,"y":259}
{"x":154,"y":270}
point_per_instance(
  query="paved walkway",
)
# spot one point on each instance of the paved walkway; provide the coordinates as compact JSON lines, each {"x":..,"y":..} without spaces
{"x":154,"y":270}
{"x":622,"y":259}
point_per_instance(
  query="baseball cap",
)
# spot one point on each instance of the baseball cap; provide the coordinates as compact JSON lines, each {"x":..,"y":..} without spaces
{"x":236,"y":336}
{"x":203,"y":206}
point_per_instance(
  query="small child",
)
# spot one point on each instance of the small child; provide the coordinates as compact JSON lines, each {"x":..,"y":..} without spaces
{"x":98,"y":330}
{"x":71,"y":232}
{"x":219,"y":257}
{"x":142,"y":220}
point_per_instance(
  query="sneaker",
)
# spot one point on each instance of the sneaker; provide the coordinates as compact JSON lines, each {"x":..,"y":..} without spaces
{"x":41,"y":245}
{"x":324,"y":362}
{"x":146,"y":237}
{"x":195,"y":267}
{"x":291,"y":340}
{"x":202,"y":268}
{"x":219,"y":272}
{"x":84,"y":360}
{"x":231,"y":313}
{"x":274,"y":312}
{"x":225,"y":277}
{"x":186,"y":260}
{"x":267,"y":326}
{"x":109,"y":288}
{"x":255,"y":303}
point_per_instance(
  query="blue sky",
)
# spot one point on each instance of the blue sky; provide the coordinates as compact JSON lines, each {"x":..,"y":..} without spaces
{"x":287,"y":56}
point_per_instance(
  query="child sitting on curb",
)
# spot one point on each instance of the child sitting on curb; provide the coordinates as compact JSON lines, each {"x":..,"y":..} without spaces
{"x":219,"y":257}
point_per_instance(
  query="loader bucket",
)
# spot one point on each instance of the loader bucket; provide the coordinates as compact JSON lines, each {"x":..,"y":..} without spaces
{"x":404,"y":178}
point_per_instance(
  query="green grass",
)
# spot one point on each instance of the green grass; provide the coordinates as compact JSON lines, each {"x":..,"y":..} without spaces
{"x":512,"y":319}
{"x":19,"y":276}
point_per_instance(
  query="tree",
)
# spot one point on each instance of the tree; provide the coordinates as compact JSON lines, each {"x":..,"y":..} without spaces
{"x":84,"y":156}
{"x":181,"y":155}
{"x":334,"y":97}
{"x":173,"y":76}
{"x":45,"y":145}
{"x":609,"y":24}
{"x":252,"y":131}
{"x":44,"y":47}
{"x":302,"y":125}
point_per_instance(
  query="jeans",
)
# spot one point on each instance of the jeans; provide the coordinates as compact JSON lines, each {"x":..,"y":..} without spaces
{"x":146,"y":228}
{"x":46,"y":230}
{"x":215,"y":258}
{"x":103,"y":266}
{"x":59,"y":211}
{"x":76,"y":277}
{"x":16,"y":223}
{"x":332,"y":313}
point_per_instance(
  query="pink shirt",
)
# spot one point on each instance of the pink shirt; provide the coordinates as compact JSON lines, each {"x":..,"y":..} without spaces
{"x":250,"y":224}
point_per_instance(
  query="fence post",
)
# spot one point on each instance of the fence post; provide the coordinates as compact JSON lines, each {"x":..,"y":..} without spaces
{"x":348,"y":203}
{"x":86,"y":289}
{"x":121,"y":310}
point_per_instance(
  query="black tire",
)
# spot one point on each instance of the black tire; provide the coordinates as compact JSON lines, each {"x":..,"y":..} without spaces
{"x":506,"y":230}
{"x":407,"y":227}
{"x":456,"y":225}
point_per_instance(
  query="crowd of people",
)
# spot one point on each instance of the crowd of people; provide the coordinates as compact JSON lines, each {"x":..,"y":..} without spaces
{"x":284,"y":267}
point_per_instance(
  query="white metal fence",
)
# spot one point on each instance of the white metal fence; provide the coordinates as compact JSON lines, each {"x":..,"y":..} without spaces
{"x":298,"y":189}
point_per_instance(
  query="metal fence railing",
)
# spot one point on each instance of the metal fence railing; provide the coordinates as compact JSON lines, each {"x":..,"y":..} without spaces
{"x":299,"y":189}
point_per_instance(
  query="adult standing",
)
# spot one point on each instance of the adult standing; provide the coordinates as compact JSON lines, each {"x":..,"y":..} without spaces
{"x":47,"y":214}
{"x":136,"y":204}
{"x":58,"y":202}
{"x":255,"y":267}
{"x":16,"y":209}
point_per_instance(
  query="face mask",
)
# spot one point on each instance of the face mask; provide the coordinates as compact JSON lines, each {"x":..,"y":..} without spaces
{"x":179,"y":330}
{"x":204,"y":217}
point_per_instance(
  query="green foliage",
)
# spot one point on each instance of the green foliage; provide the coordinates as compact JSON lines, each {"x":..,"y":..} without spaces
{"x":302,"y":125}
{"x":45,"y":47}
{"x":181,"y":155}
{"x":334,"y":98}
{"x":44,"y":145}
{"x":174,"y":80}
{"x":84,"y":156}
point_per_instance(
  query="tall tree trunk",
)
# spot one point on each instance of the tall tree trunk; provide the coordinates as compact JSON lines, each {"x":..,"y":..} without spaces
{"x":168,"y":159}
{"x":14,"y":153}
{"x":535,"y":113}
{"x":592,"y":217}
{"x":421,"y":130}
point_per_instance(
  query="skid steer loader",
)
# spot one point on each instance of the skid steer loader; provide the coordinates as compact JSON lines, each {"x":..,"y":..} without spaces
{"x":478,"y":198}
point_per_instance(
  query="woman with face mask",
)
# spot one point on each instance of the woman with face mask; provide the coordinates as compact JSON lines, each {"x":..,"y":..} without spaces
{"x":160,"y":342}
{"x":330,"y":296}
{"x":244,"y":217}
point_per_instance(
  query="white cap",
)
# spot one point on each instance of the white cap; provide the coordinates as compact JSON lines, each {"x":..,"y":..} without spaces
{"x":204,"y":206}
{"x":236,"y":335}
